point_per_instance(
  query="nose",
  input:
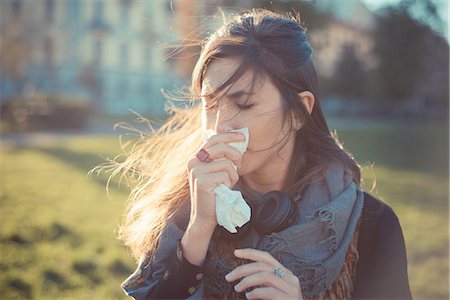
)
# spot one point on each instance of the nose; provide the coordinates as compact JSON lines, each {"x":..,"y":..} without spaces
{"x":223,"y":122}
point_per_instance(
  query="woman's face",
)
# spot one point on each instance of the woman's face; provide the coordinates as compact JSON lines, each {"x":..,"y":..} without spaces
{"x":260,"y":111}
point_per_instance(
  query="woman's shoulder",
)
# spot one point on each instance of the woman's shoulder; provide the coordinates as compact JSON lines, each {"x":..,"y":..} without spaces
{"x":375,"y":210}
{"x":379,"y":224}
{"x":382,"y":264}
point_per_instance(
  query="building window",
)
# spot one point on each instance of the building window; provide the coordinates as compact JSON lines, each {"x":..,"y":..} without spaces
{"x":16,"y":7}
{"x":48,"y":52}
{"x":123,"y":59}
{"x":49,"y":11}
{"x":122,"y":88}
{"x":124,"y":15}
{"x":147,"y":58}
{"x":74,"y":10}
{"x":146,"y":88}
{"x":98,"y":10}
{"x":98,"y":49}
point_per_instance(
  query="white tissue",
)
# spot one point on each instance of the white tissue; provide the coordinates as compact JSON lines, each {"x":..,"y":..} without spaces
{"x":241,"y":146}
{"x":231,"y":209}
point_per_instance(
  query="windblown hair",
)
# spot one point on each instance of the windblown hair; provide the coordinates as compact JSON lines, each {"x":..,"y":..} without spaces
{"x":269,"y":44}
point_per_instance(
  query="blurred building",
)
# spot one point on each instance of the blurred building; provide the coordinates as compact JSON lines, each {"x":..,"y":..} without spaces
{"x":351,"y":23}
{"x":115,"y":52}
{"x":111,"y":52}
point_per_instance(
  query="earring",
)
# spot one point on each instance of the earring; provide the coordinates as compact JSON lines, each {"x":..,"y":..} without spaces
{"x":298,"y":126}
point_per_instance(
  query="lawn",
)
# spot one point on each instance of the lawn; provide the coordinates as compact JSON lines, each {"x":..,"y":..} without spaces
{"x":57,"y":238}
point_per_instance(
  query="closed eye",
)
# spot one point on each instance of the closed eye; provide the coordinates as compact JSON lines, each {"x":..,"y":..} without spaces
{"x":244,"y":106}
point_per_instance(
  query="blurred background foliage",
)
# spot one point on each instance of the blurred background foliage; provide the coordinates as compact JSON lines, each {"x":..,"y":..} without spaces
{"x":71,"y":69}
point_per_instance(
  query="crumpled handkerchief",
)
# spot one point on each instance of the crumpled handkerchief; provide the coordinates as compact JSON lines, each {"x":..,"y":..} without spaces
{"x":231,"y":208}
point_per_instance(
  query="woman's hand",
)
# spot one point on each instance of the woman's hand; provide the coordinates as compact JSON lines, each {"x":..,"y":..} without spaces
{"x":261,"y":275}
{"x":205,"y":176}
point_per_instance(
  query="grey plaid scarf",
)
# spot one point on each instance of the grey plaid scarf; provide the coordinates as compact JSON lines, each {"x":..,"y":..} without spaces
{"x":313,"y":247}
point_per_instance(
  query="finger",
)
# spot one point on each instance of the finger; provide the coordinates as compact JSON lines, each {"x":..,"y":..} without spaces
{"x":224,"y":138}
{"x":193,"y":162}
{"x":214,"y":167}
{"x":247,"y":269}
{"x":266,"y":293}
{"x":254,"y":267}
{"x":212,"y":180}
{"x":222,"y":150}
{"x":265,"y":279}
{"x":269,"y":260}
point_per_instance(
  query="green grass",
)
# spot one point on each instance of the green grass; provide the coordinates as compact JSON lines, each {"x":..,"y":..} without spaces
{"x":410,"y":173}
{"x":57,"y":233}
{"x":57,"y":238}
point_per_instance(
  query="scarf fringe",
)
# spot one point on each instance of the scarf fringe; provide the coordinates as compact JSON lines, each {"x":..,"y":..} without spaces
{"x":342,"y":287}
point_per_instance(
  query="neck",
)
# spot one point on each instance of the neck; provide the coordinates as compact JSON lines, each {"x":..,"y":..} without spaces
{"x":272,"y":176}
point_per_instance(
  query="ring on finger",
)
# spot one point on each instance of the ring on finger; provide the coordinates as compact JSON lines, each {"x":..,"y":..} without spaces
{"x":202,"y":155}
{"x":279,"y":272}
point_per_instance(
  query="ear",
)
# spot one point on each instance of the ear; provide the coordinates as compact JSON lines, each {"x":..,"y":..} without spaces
{"x":308,"y":100}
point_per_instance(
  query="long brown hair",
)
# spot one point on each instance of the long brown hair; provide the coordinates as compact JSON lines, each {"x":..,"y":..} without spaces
{"x":268,"y":44}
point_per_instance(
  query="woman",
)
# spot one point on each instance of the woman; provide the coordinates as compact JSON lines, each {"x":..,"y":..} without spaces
{"x":327,"y":239}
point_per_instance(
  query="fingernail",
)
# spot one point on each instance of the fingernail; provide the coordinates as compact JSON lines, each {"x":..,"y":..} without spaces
{"x":236,"y":287}
{"x":228,"y":276}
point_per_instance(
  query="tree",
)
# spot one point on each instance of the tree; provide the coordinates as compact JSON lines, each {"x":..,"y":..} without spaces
{"x":350,"y":77}
{"x":413,"y":58}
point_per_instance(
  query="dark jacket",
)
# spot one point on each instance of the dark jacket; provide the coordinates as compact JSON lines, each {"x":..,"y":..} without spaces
{"x":381,"y":270}
{"x":382,"y":266}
